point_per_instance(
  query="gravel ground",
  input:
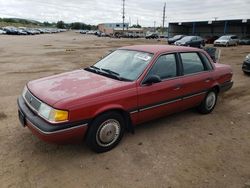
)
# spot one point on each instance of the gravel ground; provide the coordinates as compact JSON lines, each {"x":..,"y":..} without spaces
{"x":182,"y":150}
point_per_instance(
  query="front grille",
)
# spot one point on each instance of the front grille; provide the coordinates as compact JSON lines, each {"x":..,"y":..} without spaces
{"x":32,"y":101}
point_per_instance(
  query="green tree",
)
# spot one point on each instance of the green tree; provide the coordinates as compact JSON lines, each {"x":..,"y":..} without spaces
{"x":60,"y":25}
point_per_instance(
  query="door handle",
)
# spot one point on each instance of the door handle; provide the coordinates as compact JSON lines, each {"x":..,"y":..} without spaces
{"x":207,"y":80}
{"x":176,"y":88}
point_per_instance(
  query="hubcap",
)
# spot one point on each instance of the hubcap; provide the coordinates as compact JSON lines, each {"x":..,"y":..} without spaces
{"x":210,"y":100}
{"x":108,"y":132}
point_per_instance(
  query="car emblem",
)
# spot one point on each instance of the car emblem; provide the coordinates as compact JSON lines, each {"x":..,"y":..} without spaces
{"x":30,"y":100}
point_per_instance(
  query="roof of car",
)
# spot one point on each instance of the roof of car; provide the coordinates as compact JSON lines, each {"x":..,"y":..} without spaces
{"x":159,"y":48}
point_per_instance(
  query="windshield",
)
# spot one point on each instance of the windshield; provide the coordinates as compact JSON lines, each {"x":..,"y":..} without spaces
{"x":126,"y":64}
{"x":177,"y":36}
{"x":224,"y":38}
{"x":185,"y":39}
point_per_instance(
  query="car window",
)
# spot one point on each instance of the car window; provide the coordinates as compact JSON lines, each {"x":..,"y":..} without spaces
{"x":165,"y":67}
{"x":191,"y":63}
{"x":206,"y":61}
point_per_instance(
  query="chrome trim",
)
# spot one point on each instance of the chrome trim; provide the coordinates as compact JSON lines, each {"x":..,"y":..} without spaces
{"x":168,"y":102}
{"x":197,"y":94}
{"x":135,"y":111}
{"x":158,"y":105}
{"x":26,"y":102}
{"x":54,"y":132}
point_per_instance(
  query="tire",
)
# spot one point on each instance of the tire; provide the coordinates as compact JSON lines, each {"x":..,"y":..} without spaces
{"x":105,"y":132}
{"x":209,"y":102}
{"x":227,"y":44}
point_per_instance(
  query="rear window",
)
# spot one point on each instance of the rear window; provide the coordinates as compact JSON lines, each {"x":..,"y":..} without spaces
{"x":191,"y":63}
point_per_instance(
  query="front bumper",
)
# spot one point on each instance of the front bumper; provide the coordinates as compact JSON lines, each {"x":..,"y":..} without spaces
{"x":220,"y":44}
{"x":70,"y":132}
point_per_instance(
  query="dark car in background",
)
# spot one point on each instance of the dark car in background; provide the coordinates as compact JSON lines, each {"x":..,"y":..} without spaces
{"x":152,"y":36}
{"x":192,"y":41}
{"x":172,"y":40}
{"x":246,"y":65}
{"x":245,"y":40}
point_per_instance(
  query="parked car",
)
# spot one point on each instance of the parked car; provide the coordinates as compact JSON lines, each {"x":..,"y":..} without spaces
{"x":2,"y":32}
{"x":246,"y":65}
{"x":192,"y":41}
{"x":210,"y":39}
{"x":131,"y":85}
{"x":172,"y":40}
{"x":10,"y":30}
{"x":227,"y":40}
{"x":245,"y":40}
{"x":152,"y":36}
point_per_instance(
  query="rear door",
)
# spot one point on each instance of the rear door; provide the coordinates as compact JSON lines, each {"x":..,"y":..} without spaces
{"x":161,"y":98}
{"x":196,"y":78}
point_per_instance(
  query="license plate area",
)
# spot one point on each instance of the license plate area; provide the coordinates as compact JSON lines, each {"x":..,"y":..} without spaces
{"x":22,"y":118}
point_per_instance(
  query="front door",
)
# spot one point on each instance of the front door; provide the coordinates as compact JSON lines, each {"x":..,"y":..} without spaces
{"x":159,"y":99}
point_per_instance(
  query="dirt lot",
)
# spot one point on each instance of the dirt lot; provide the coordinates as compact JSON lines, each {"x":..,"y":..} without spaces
{"x":183,"y":150}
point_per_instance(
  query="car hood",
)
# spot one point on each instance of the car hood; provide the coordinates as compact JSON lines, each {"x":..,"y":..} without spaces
{"x":73,"y":85}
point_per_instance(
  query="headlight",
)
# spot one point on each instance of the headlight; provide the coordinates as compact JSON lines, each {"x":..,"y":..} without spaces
{"x":53,"y":115}
{"x":50,"y":114}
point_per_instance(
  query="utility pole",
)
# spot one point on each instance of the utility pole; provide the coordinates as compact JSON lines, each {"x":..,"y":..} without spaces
{"x":154,"y":25}
{"x":123,"y":14}
{"x":164,"y":16}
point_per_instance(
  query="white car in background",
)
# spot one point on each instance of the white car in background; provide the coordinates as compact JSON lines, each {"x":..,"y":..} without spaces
{"x":227,"y":40}
{"x":2,"y":32}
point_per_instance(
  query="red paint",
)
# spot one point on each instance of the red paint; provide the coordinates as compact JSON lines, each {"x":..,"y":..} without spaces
{"x":86,"y":95}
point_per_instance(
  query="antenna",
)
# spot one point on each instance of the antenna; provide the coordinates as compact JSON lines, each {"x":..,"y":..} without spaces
{"x":123,"y":14}
{"x":164,"y":16}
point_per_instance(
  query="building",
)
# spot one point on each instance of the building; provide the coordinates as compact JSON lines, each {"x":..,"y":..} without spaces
{"x":129,"y":32}
{"x":211,"y":28}
{"x":108,"y":28}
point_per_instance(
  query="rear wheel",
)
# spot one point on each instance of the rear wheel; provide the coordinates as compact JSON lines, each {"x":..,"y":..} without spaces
{"x":208,"y":104}
{"x":105,"y":132}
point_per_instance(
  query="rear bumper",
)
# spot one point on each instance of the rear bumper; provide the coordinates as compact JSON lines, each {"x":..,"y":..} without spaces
{"x":226,"y":86}
{"x":60,"y":133}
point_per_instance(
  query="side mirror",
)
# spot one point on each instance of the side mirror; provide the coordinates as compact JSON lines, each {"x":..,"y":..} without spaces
{"x":152,"y":79}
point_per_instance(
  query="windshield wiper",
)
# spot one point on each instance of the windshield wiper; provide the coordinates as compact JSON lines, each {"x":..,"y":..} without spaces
{"x":106,"y":72}
{"x":94,"y":67}
{"x":110,"y":72}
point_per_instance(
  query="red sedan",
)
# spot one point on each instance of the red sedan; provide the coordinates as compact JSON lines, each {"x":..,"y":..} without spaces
{"x":132,"y":85}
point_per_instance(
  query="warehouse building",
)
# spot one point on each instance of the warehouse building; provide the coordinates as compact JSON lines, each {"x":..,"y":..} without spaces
{"x":108,"y":28}
{"x":211,"y":28}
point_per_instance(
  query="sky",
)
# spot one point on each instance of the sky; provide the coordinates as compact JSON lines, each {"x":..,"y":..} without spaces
{"x":145,"y":11}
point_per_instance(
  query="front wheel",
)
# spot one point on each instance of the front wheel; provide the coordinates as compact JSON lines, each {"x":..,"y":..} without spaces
{"x":208,"y":104}
{"x":105,"y":132}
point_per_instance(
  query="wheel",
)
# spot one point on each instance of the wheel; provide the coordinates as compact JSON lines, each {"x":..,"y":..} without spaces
{"x":208,"y":104}
{"x":227,"y":44}
{"x":105,"y":132}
